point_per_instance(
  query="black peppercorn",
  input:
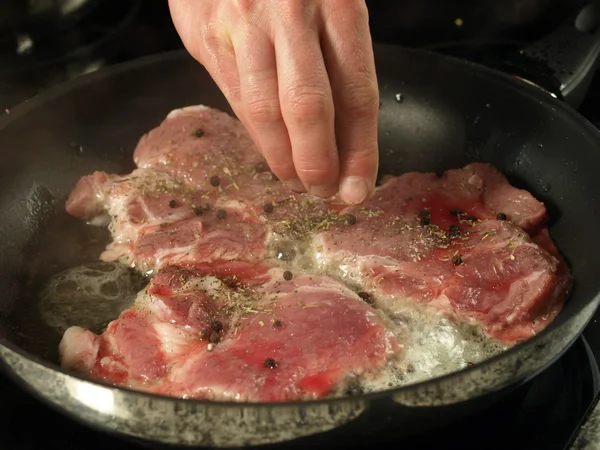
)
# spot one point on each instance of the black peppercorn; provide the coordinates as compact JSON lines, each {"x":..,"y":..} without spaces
{"x":350,"y":219}
{"x":454,"y":230}
{"x":277,"y":324}
{"x":221,"y":214}
{"x":424,"y":221}
{"x":198,"y":210}
{"x":354,"y":391}
{"x":214,"y":338}
{"x":268,"y":208}
{"x":173,"y":204}
{"x":216,"y":325}
{"x":501,"y":216}
{"x":215,"y":181}
{"x":456,"y":212}
{"x":457,"y":260}
{"x":424,"y":213}
{"x":270,"y":363}
{"x":198,"y":133}
{"x":287,"y":275}
{"x":366,"y":297}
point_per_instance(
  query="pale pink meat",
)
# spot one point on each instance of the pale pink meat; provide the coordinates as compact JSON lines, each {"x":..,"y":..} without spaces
{"x":202,"y":212}
{"x":277,"y":340}
{"x":167,"y":210}
{"x":484,"y":270}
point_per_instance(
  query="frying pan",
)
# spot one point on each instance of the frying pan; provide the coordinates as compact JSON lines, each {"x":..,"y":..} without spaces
{"x":453,"y":112}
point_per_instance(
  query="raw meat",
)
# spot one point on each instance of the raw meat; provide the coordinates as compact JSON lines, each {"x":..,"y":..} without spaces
{"x":439,"y":241}
{"x":204,"y":214}
{"x":155,"y":220}
{"x":196,"y":337}
{"x":199,"y":196}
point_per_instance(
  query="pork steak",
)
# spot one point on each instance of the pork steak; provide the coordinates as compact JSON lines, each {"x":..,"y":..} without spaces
{"x":216,"y":229}
{"x":202,"y":194}
{"x":457,"y":243}
{"x":273,"y":339}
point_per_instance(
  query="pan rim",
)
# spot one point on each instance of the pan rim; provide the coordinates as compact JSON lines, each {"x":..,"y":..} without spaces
{"x":522,"y":87}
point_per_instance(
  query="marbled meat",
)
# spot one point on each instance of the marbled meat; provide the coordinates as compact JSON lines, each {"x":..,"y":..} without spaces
{"x":254,"y":288}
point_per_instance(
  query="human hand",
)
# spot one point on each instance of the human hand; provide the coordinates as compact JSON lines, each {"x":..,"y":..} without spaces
{"x":300,"y":76}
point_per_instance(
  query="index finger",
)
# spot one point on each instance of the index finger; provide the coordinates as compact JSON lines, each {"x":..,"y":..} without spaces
{"x":349,"y":58}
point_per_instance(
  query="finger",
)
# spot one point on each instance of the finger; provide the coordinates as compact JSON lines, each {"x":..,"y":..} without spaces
{"x":307,"y":108}
{"x":259,"y":97}
{"x":208,"y":41}
{"x":349,"y":58}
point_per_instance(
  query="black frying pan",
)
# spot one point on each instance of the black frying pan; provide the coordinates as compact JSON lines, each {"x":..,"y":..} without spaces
{"x":452,"y":113}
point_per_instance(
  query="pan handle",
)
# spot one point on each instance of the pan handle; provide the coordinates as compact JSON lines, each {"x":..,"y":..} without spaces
{"x":564,"y":61}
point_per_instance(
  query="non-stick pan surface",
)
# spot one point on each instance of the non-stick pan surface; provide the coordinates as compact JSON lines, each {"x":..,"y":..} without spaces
{"x":437,"y":113}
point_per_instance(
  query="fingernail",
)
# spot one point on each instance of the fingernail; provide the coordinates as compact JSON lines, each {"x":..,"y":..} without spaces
{"x":324,"y":191}
{"x":295,"y":185}
{"x":354,"y":190}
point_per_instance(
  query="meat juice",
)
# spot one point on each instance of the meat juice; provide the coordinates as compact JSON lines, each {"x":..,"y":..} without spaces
{"x":89,"y":295}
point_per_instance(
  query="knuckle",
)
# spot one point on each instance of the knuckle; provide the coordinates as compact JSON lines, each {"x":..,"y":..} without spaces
{"x":212,"y":36}
{"x":351,"y":9}
{"x":293,"y":9}
{"x":315,"y":166}
{"x":232,"y":89}
{"x":365,"y":158}
{"x":359,"y":97}
{"x":312,"y":172}
{"x":244,"y":6}
{"x":263,"y":110}
{"x":307,"y":104}
{"x":315,"y":175}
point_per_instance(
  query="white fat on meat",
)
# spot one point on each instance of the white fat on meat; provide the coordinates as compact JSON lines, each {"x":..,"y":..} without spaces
{"x":78,"y":349}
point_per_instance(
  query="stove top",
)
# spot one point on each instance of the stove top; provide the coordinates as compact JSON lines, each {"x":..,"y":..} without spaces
{"x":547,"y":412}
